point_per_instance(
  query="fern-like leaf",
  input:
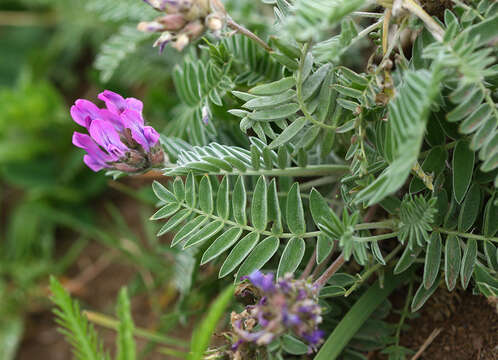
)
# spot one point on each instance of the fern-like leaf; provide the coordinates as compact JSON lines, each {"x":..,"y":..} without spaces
{"x":116,"y":49}
{"x":408,"y":114}
{"x":79,"y":333}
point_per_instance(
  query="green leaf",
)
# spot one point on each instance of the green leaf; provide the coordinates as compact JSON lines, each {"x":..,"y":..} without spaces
{"x":291,"y":257}
{"x":190,"y":196}
{"x":239,"y":253}
{"x":468,"y":262}
{"x":162,"y":193}
{"x":295,"y":212}
{"x":262,"y":102}
{"x":289,"y":132}
{"x":470,"y":208}
{"x":319,"y":207}
{"x":166,"y":211}
{"x":273,"y":88}
{"x":222,"y":200}
{"x":125,"y":342}
{"x":174,"y":221}
{"x":202,"y":335}
{"x":206,"y":195}
{"x":188,"y":229}
{"x":407,"y":259}
{"x":278,"y":112}
{"x":332,"y":291}
{"x":324,"y":247}
{"x":463,"y":168}
{"x":452,"y":261}
{"x":274,"y":213}
{"x":293,"y":346}
{"x":221,"y":244}
{"x":258,"y":257}
{"x":75,"y":326}
{"x":490,"y":226}
{"x":204,"y":234}
{"x":432,"y":260}
{"x":491,"y":254}
{"x":259,"y":206}
{"x":423,"y":294}
{"x":239,"y":201}
{"x":408,"y":115}
{"x":354,"y":319}
{"x":179,"y":189}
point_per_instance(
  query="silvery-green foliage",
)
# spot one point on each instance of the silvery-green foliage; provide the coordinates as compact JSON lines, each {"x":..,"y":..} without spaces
{"x":276,"y":157}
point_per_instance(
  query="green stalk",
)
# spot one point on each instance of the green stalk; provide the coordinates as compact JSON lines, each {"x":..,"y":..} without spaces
{"x":110,"y":323}
{"x":357,"y":315}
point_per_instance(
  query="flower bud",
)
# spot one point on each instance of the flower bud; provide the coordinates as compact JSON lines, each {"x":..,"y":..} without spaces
{"x":172,"y":22}
{"x":181,"y":42}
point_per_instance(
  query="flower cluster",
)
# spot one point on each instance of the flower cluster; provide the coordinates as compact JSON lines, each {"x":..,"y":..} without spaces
{"x":285,"y":305}
{"x":118,"y":139}
{"x":184,"y":21}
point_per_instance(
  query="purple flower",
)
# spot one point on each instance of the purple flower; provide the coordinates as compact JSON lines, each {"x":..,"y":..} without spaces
{"x":263,"y":282}
{"x":285,"y":306}
{"x":118,"y":136}
{"x":315,"y":337}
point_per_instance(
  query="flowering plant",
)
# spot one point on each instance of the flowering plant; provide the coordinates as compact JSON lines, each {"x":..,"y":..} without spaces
{"x":291,"y":153}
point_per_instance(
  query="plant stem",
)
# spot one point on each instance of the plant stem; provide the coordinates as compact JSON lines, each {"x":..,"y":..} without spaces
{"x":376,"y":237}
{"x":434,"y":28}
{"x":309,"y":265}
{"x":387,"y":224}
{"x":405,"y":312}
{"x":366,"y":14}
{"x":372,"y":269}
{"x":332,"y":269}
{"x":465,"y":235}
{"x":312,"y":170}
{"x":320,"y":267}
{"x":242,"y":30}
{"x":317,"y":182}
{"x":110,"y":323}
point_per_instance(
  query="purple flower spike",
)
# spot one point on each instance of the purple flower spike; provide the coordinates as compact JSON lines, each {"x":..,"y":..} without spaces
{"x":118,"y":136}
{"x":285,"y":306}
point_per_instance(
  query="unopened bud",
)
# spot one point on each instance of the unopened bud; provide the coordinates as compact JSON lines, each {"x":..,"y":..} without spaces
{"x":194,"y":29}
{"x":150,"y":26}
{"x":172,"y":22}
{"x":181,"y":42}
{"x":214,"y":23}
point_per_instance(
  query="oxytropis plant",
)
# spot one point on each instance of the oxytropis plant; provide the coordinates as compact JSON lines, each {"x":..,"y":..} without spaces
{"x":303,"y":157}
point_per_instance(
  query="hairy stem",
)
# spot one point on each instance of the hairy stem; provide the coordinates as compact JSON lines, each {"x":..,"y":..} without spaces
{"x":332,"y":269}
{"x":465,"y":235}
{"x":309,"y":265}
{"x":434,"y":28}
{"x":308,"y":171}
{"x":243,"y":31}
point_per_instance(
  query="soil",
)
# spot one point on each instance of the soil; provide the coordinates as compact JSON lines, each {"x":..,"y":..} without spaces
{"x":468,"y":328}
{"x":94,"y":280}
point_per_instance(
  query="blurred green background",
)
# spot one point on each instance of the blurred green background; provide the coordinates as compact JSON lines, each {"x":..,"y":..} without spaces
{"x":58,"y":217}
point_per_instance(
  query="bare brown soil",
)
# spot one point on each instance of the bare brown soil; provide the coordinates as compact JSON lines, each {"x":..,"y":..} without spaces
{"x":468,"y":328}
